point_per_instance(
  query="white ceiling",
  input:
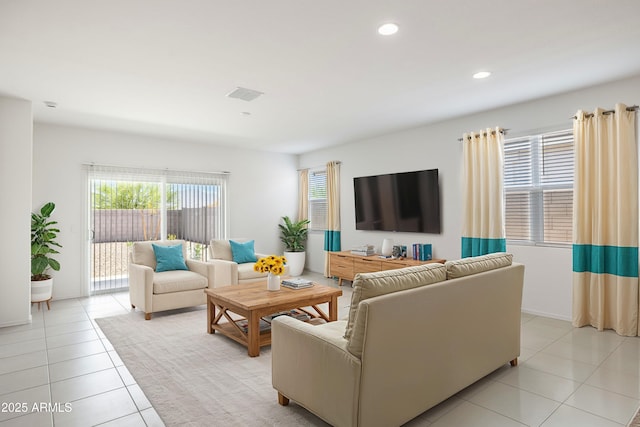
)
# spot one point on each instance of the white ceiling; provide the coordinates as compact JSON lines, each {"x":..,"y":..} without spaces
{"x":163,"y":67}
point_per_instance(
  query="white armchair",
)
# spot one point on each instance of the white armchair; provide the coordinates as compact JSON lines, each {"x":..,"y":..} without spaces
{"x":153,"y":291}
{"x":227,"y":271}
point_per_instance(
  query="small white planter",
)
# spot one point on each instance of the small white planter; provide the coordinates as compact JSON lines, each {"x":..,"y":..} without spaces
{"x":295,"y":261}
{"x":41,"y":291}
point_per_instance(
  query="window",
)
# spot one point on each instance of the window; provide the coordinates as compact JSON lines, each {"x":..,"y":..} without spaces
{"x":318,"y":199}
{"x":538,"y":188}
{"x":128,"y":205}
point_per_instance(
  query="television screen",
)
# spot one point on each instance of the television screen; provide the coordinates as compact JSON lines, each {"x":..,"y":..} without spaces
{"x":408,"y":201}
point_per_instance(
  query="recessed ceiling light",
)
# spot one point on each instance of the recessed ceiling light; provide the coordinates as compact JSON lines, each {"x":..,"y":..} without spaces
{"x":51,"y":104}
{"x":388,"y":29}
{"x":245,"y":113}
{"x":481,"y":75}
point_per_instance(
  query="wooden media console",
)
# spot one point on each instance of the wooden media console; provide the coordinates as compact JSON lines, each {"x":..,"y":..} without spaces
{"x":344,"y":265}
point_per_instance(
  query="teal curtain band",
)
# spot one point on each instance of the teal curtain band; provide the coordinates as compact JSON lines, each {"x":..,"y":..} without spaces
{"x":332,"y":240}
{"x":616,"y":260}
{"x":474,"y":246}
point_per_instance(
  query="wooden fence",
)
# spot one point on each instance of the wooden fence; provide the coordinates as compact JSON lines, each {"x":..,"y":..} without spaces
{"x":132,"y":225}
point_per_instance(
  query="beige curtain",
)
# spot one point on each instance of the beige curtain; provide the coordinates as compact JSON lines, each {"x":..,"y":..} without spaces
{"x":332,"y":233}
{"x":605,"y":221}
{"x":483,"y":229}
{"x":303,"y":194}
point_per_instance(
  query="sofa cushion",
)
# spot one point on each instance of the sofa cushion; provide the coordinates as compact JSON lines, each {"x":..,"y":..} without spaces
{"x":468,"y":266}
{"x":169,"y":258}
{"x":369,"y":285}
{"x":142,"y":252}
{"x":177,"y":280}
{"x":221,"y":249}
{"x":242,"y":252}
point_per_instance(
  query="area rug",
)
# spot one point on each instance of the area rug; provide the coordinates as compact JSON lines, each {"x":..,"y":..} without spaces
{"x":196,"y":379}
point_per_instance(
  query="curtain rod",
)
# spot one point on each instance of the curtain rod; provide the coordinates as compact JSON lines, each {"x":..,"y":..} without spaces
{"x":155,"y":169}
{"x":632,"y":108}
{"x":317,"y":167}
{"x":493,"y":132}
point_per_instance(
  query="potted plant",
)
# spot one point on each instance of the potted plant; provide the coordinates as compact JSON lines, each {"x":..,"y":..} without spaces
{"x":294,"y":236}
{"x":43,"y":244}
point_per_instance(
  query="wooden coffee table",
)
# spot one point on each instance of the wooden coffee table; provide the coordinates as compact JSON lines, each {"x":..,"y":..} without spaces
{"x":253,"y":301}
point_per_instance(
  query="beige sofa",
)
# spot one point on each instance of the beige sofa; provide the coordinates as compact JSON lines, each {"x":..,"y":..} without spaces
{"x":414,"y":337}
{"x":151,"y":291}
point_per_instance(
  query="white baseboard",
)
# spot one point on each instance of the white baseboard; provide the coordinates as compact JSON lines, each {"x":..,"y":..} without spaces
{"x":543,"y":314}
{"x":17,"y":322}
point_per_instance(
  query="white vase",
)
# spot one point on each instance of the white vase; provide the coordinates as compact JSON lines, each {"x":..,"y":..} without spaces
{"x":387,"y":247}
{"x":273,"y":282}
{"x":295,"y":262}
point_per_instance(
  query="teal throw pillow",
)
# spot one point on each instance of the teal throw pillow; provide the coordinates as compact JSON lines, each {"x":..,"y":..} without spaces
{"x":169,"y":258}
{"x":243,"y":251}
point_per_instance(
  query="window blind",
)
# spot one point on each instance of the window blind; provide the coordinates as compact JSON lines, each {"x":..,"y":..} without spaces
{"x":538,"y":184}
{"x":318,"y":199}
{"x":128,"y":205}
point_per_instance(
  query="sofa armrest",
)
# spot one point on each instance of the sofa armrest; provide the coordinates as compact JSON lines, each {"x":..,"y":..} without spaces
{"x":224,"y":273}
{"x":311,"y":365}
{"x":205,"y":269}
{"x":141,"y":287}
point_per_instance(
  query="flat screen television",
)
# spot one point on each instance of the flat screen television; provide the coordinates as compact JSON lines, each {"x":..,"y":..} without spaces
{"x":408,"y":201}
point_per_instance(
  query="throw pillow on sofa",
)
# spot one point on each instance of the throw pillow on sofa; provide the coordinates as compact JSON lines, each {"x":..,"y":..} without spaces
{"x":169,"y":258}
{"x":477,"y":264}
{"x":369,"y":285}
{"x":243,"y":252}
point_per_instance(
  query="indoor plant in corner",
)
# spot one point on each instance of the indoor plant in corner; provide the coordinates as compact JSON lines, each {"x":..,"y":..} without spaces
{"x":43,"y":235}
{"x":294,"y":236}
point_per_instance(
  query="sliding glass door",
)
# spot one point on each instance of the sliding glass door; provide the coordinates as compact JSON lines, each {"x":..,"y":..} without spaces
{"x":129,"y":205}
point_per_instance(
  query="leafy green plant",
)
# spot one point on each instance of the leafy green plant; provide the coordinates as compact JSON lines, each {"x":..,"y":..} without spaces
{"x":43,"y":235}
{"x":293,"y":234}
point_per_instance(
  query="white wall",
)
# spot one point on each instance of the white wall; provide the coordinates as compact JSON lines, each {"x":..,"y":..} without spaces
{"x":15,"y":186}
{"x":548,"y":270}
{"x":262,"y":186}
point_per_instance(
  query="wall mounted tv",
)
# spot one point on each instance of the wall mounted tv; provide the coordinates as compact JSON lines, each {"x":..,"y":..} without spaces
{"x":408,"y":201}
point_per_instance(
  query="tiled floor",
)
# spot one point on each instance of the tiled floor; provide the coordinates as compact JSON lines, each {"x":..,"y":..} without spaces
{"x":63,"y":361}
{"x":566,"y":376}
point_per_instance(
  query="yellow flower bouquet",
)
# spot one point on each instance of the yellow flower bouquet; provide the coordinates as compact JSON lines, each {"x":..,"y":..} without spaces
{"x":273,"y":264}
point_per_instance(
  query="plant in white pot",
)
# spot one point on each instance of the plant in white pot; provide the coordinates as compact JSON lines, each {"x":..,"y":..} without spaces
{"x":43,"y":244}
{"x":294,"y":235}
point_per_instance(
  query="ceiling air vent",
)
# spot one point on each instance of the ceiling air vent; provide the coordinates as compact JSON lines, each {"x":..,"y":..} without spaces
{"x":244,"y":94}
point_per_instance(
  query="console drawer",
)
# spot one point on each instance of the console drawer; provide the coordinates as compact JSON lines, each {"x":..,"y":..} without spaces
{"x":392,"y":265}
{"x":341,"y":266}
{"x":365,"y":265}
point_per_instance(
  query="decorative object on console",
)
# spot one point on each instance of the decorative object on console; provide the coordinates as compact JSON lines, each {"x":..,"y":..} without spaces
{"x":422,"y":251}
{"x":364,"y":250}
{"x":399,"y":251}
{"x":274,"y":265}
{"x":387,"y":247}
